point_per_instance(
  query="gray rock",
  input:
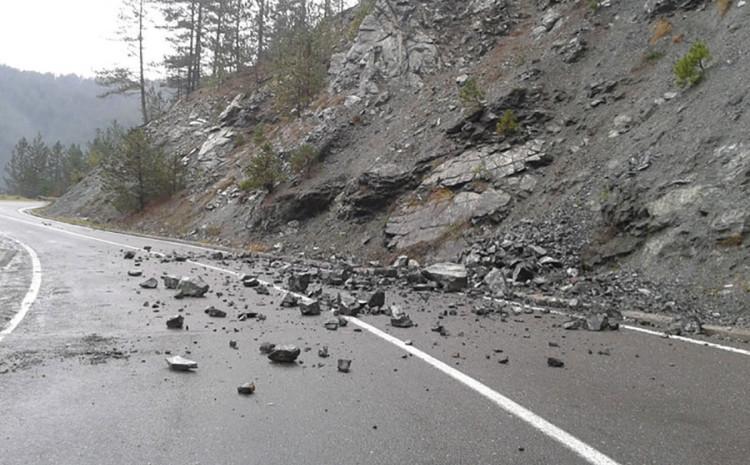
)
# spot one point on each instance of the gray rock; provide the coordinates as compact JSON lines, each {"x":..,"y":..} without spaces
{"x":344,"y":365}
{"x":451,"y":277}
{"x":267,"y":347}
{"x":332,"y":324}
{"x":262,"y":290}
{"x":399,"y":318}
{"x":555,"y":362}
{"x":309,"y":307}
{"x":191,"y":287}
{"x":284,"y":354}
{"x":215,"y":312}
{"x":129,"y":255}
{"x":289,"y":300}
{"x":250,"y":281}
{"x":246,"y":389}
{"x":135,"y":273}
{"x":323,"y":352}
{"x":377,"y":299}
{"x":495,"y":281}
{"x":298,"y":282}
{"x":170,"y":282}
{"x":178,"y":363}
{"x":175,"y":322}
{"x":150,"y":283}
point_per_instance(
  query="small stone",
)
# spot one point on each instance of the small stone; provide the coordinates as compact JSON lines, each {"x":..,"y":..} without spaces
{"x":399,"y":318}
{"x":135,"y":273}
{"x":344,"y":365}
{"x":323,"y":352}
{"x":377,"y":299}
{"x":233,"y":344}
{"x":129,"y":255}
{"x":572,"y":324}
{"x":262,"y":290}
{"x":289,"y":300}
{"x":332,"y":324}
{"x":284,"y":354}
{"x":175,"y":322}
{"x":246,"y":389}
{"x":150,"y":283}
{"x":298,"y":282}
{"x":555,"y":362}
{"x":191,"y":287}
{"x":214,"y":312}
{"x":250,"y":281}
{"x":178,"y":363}
{"x":309,"y":307}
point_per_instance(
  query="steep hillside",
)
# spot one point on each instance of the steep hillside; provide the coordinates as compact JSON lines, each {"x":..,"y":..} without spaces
{"x":619,"y":188}
{"x":64,"y":108}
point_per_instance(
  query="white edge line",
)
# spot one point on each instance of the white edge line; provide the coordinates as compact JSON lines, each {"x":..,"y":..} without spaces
{"x":31,"y":294}
{"x":650,"y":332}
{"x":577,"y":446}
{"x":518,"y":304}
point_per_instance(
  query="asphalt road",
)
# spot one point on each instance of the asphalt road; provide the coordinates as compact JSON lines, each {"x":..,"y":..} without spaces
{"x":83,"y":378}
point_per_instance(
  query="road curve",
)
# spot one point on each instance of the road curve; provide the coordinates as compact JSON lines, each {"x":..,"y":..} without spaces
{"x":83,"y":378}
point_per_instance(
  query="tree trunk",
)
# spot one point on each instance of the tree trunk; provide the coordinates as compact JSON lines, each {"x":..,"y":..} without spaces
{"x":140,"y":57}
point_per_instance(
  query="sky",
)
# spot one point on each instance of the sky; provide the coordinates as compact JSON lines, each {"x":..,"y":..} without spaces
{"x":66,"y":36}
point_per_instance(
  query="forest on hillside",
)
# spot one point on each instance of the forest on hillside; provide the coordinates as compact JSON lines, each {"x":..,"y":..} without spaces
{"x":59,"y":108}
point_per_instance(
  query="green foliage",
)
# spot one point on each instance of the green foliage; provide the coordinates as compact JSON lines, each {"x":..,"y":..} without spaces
{"x":471,"y":95}
{"x":653,"y":55}
{"x":689,"y":69}
{"x":264,"y":170}
{"x":363,"y":10}
{"x":303,"y":159}
{"x":508,"y":124}
{"x":594,"y":5}
{"x":138,"y":172}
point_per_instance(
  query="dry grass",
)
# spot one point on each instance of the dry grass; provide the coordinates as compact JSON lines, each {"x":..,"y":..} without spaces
{"x":678,"y":39}
{"x":257,"y":247}
{"x":440,"y":195}
{"x":735,"y":240}
{"x":723,"y":6}
{"x":662,"y":29}
{"x":213,"y":230}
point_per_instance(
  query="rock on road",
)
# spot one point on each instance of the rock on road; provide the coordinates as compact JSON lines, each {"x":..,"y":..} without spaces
{"x":83,"y":378}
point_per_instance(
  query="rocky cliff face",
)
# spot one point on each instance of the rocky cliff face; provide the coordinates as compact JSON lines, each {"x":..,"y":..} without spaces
{"x":618,"y":188}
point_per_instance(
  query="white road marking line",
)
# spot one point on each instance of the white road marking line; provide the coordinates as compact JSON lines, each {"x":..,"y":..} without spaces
{"x":557,"y":312}
{"x":638,"y":329}
{"x":579,"y":447}
{"x":31,"y":294}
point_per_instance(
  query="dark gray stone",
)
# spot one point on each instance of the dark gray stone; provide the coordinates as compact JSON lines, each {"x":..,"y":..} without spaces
{"x":150,"y":283}
{"x":284,"y":354}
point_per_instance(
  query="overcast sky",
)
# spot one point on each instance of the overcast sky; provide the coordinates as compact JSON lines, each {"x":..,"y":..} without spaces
{"x":65,"y":36}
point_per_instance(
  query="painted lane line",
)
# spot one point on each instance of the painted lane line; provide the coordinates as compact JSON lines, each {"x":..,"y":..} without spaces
{"x":637,"y":329}
{"x":517,"y":304}
{"x":31,"y":294}
{"x":574,"y":444}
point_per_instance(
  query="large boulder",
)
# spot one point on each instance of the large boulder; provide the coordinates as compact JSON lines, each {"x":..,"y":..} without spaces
{"x":191,"y":287}
{"x":450,"y":277}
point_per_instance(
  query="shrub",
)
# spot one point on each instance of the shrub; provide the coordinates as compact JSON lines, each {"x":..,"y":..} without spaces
{"x":594,"y":5}
{"x":264,"y":171}
{"x":508,"y":124}
{"x":471,"y":95}
{"x":689,"y":69}
{"x":303,"y":159}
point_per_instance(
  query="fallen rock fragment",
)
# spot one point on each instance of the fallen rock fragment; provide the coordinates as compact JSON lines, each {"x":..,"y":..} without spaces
{"x":246,"y":389}
{"x":572,"y":325}
{"x":555,"y":362}
{"x":233,"y":344}
{"x":170,"y":282}
{"x":399,"y":318}
{"x":214,"y":312}
{"x":178,"y":363}
{"x":344,"y":365}
{"x":250,"y":281}
{"x":289,"y":300}
{"x":451,"y":277}
{"x":284,"y":354}
{"x":175,"y":322}
{"x":150,"y":283}
{"x":298,"y":282}
{"x":323,"y":352}
{"x":129,"y":255}
{"x":332,"y":324}
{"x":377,"y":299}
{"x":262,"y":290}
{"x":247,"y":316}
{"x":135,"y":273}
{"x":191,"y":287}
{"x":309,"y":307}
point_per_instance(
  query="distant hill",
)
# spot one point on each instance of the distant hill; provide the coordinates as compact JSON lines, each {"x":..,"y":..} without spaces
{"x":64,"y":108}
